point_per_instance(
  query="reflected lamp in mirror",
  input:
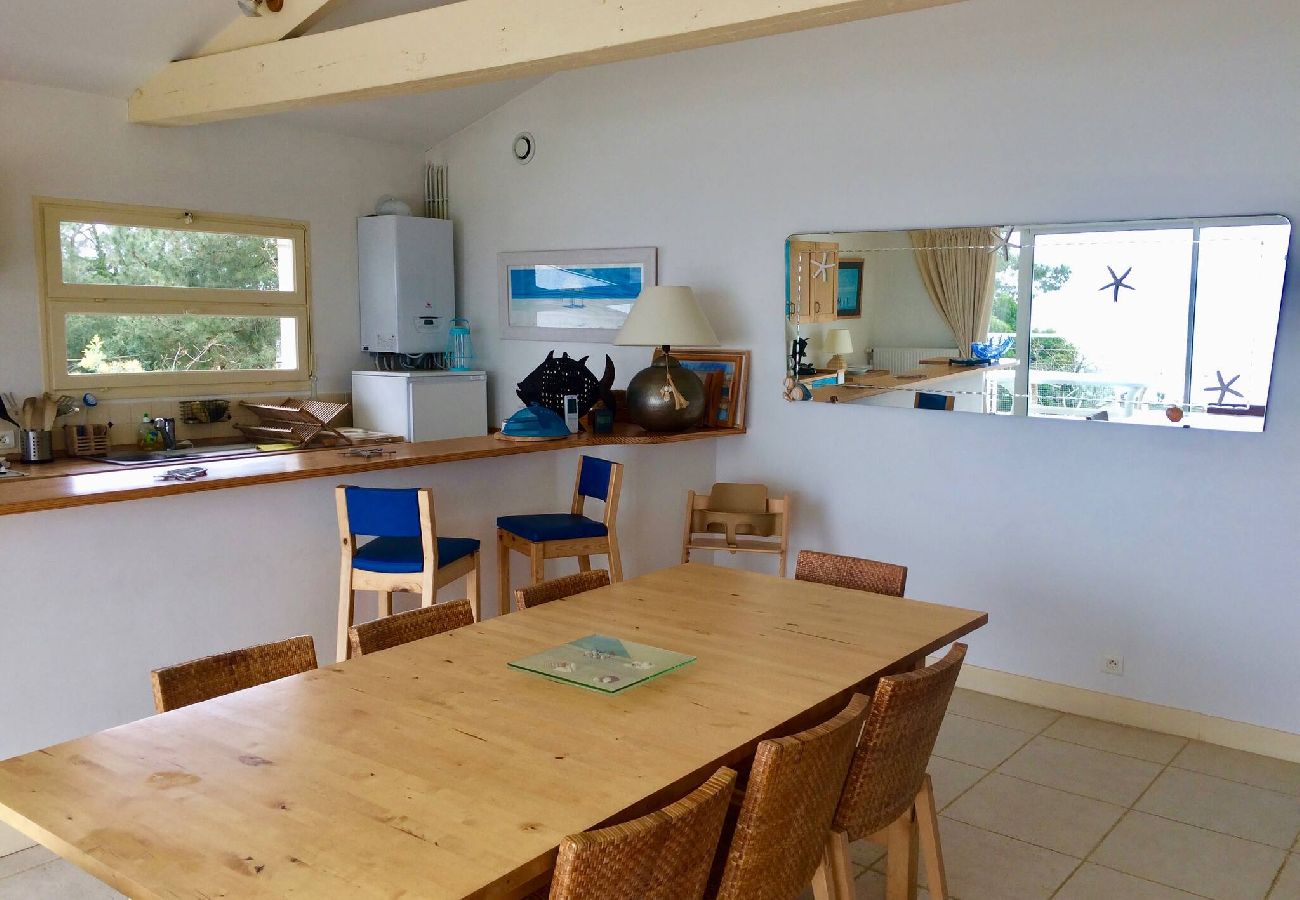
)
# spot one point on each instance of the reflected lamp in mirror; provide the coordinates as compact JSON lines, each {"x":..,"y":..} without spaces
{"x":665,"y":396}
{"x":838,"y":343}
{"x":1166,"y":322}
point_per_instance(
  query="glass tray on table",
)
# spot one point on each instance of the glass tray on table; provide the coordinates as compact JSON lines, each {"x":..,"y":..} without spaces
{"x":602,"y":663}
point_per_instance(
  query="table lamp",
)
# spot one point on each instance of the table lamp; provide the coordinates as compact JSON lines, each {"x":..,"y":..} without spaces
{"x":666,"y":396}
{"x":838,"y":342}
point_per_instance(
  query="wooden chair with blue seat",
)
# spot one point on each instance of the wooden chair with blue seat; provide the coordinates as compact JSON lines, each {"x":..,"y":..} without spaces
{"x":558,"y":535}
{"x":404,"y":553}
{"x":934,"y":401}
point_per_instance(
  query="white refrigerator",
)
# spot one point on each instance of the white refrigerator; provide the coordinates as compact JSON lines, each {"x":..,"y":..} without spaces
{"x":421,"y":406}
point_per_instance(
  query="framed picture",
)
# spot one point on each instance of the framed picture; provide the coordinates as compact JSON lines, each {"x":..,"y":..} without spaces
{"x":727,"y":373}
{"x":572,"y":295}
{"x":848,"y":299}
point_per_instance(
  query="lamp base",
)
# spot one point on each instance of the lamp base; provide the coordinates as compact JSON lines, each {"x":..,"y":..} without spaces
{"x":836,"y":362}
{"x":652,"y":397}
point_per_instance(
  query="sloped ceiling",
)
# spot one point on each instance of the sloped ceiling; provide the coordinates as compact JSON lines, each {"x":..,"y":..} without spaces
{"x":110,"y":47}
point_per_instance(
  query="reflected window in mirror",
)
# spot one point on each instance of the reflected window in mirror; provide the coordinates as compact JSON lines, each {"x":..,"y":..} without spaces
{"x":1165,"y":322}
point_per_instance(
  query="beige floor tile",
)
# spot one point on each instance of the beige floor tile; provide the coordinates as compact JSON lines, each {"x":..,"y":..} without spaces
{"x":1206,"y":863}
{"x":1238,"y":765}
{"x":1228,"y":806}
{"x":977,"y":743}
{"x":1288,"y":883}
{"x":870,"y":885}
{"x":56,"y":880}
{"x":982,"y":865}
{"x":951,"y":779}
{"x":1093,"y":882}
{"x":1001,"y":711}
{"x":865,"y":853}
{"x":23,"y":860}
{"x":1148,"y":745}
{"x":12,"y":841}
{"x":1039,"y":815}
{"x":1082,"y":770}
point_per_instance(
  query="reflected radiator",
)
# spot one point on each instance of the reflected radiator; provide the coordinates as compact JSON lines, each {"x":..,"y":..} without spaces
{"x":904,"y":359}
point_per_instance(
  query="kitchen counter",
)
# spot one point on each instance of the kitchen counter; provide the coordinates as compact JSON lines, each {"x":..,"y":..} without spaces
{"x":68,"y":483}
{"x":927,"y":375}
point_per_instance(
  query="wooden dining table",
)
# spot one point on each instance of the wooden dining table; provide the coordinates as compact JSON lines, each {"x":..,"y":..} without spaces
{"x":434,"y":770}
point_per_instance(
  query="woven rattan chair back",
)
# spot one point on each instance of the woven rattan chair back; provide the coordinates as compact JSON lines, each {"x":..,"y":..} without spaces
{"x":390,"y":631}
{"x":225,"y":673}
{"x":559,"y":588}
{"x":662,"y":856}
{"x":793,"y":788}
{"x":902,"y":725}
{"x":851,"y":572}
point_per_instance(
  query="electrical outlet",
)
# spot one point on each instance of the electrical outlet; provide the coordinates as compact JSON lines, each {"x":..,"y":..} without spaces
{"x":1112,"y":665}
{"x":6,"y":440}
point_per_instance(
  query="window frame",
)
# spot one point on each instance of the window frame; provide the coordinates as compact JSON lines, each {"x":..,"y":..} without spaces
{"x":59,"y":299}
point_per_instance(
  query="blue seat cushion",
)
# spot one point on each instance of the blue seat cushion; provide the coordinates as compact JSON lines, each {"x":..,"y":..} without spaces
{"x":552,"y":527}
{"x":404,"y":555}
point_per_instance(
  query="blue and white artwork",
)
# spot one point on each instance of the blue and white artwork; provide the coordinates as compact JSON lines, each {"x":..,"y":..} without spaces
{"x":573,"y":294}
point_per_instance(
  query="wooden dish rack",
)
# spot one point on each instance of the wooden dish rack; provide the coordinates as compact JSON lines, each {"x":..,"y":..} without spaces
{"x":294,"y":421}
{"x":86,"y":440}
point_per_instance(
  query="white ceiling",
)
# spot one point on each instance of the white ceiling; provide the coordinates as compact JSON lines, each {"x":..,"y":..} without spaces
{"x":110,"y":47}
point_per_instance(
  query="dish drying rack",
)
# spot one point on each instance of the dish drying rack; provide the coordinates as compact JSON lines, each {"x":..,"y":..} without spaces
{"x":294,"y":421}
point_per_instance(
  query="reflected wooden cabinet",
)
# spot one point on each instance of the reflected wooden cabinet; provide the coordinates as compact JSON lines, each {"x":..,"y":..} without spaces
{"x":814,"y":280}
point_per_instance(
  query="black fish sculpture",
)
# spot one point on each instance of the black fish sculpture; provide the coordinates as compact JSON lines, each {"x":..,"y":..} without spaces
{"x":554,"y":378}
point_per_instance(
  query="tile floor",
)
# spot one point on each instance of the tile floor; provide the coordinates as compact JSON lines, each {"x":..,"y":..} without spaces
{"x":1036,"y":805}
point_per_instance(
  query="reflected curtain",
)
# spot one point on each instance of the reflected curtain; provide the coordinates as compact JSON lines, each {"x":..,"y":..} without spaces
{"x":958,"y":266}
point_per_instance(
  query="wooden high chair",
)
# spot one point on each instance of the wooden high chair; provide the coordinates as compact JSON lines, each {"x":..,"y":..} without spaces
{"x":717,"y":520}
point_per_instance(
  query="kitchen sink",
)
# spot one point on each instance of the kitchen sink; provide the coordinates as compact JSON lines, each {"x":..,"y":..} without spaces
{"x":154,"y":457}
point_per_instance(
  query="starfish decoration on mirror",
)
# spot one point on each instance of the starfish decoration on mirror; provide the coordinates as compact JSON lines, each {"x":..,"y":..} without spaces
{"x":1003,"y":245}
{"x":1224,"y":388}
{"x":822,"y":266}
{"x":1117,"y":282}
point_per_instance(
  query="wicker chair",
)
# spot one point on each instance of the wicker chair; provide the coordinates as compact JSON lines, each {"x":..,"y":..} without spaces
{"x":888,"y":792}
{"x":213,"y":676}
{"x":390,"y":631}
{"x":781,"y":827}
{"x":851,"y":572}
{"x":559,"y":588}
{"x":662,"y":856}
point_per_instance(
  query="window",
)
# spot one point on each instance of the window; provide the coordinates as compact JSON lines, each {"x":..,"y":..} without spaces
{"x":1126,"y":320}
{"x":170,"y":301}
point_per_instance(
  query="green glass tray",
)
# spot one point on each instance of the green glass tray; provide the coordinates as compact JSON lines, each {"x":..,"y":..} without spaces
{"x":601,"y":663}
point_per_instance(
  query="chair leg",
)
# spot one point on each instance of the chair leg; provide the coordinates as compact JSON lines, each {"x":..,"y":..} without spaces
{"x":900,"y":865}
{"x":347,"y":603}
{"x":780,"y":567}
{"x":472,"y":588}
{"x":834,"y":877}
{"x":584,"y":563}
{"x":503,"y":575}
{"x":615,"y":561}
{"x":385,"y":603}
{"x":538,"y":561}
{"x":927,"y":826}
{"x":428,"y":588}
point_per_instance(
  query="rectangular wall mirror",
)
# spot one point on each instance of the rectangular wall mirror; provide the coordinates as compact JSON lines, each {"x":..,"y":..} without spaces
{"x":1163,"y":322}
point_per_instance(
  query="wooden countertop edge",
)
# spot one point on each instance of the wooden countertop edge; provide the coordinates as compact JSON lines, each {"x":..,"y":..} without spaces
{"x":69,"y":491}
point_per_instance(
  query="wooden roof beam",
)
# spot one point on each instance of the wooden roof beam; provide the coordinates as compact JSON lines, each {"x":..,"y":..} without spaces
{"x":292,"y":20}
{"x":470,"y":42}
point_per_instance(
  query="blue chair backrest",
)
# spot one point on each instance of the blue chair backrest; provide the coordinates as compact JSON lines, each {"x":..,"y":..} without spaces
{"x":931,"y":401}
{"x":593,"y":477}
{"x":383,"y":512}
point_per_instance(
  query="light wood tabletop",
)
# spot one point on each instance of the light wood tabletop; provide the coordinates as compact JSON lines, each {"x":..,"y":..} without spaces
{"x":434,"y":770}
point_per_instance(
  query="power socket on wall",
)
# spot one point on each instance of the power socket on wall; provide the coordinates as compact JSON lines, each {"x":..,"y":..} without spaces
{"x":6,"y":440}
{"x":1112,"y":664}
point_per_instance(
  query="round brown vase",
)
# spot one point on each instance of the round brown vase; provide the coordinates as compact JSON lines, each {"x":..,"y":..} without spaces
{"x":650,"y":403}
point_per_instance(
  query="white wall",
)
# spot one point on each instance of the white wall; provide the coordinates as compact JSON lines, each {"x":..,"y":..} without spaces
{"x":1173,"y":548}
{"x":66,"y":144}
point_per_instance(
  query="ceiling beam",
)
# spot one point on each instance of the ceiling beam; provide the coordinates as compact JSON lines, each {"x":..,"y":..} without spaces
{"x":469,"y":42}
{"x":249,"y":31}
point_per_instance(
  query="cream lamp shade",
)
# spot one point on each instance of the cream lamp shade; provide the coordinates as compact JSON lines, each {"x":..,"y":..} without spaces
{"x":664,"y":315}
{"x":838,"y":341}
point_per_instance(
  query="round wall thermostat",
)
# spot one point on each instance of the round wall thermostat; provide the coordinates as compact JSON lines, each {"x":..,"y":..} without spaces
{"x":525,"y":148}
